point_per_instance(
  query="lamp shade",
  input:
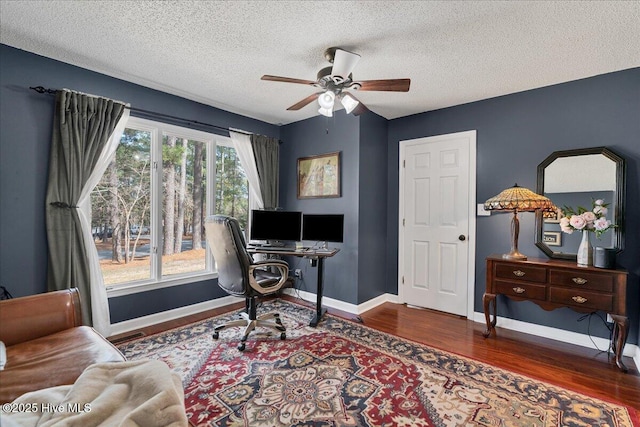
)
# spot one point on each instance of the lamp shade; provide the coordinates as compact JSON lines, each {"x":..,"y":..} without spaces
{"x":348,"y":102}
{"x":327,"y":112}
{"x":326,"y":100}
{"x":551,"y":212}
{"x":518,"y":199}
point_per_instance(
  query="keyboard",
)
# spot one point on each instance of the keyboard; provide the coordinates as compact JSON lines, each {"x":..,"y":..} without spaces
{"x":273,"y":248}
{"x":289,"y":249}
{"x":323,"y":251}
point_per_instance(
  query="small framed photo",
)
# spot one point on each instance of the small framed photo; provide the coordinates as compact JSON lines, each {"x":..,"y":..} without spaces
{"x":552,"y":238}
{"x":319,"y":176}
{"x":553,"y":217}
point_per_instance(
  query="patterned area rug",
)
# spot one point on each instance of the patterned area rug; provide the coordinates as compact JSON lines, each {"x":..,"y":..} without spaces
{"x":346,"y":374}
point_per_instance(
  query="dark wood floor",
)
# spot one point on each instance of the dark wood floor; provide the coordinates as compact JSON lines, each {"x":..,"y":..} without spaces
{"x":577,"y":368}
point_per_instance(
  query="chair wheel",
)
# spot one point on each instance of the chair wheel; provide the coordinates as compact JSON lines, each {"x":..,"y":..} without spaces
{"x":283,"y":336}
{"x":278,"y":321}
{"x":241,"y":347}
{"x":216,"y":335}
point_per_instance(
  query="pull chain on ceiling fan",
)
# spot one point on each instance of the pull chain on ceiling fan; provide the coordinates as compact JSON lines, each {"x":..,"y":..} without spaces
{"x":336,"y":80}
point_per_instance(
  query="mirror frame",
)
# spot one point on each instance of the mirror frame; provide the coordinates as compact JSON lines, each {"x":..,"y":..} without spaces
{"x":618,"y":232}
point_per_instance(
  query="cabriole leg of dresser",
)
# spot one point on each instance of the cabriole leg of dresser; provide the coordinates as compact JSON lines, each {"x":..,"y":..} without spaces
{"x":620,"y":332}
{"x":489,"y":300}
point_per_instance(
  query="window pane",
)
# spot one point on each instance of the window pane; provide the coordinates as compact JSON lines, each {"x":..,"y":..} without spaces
{"x":156,"y":192}
{"x":232,"y":186}
{"x":184,"y":205}
{"x":121,"y":211}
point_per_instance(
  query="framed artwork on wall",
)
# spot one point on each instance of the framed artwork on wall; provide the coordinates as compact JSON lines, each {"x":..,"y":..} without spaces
{"x":552,"y":238}
{"x":319,"y":176}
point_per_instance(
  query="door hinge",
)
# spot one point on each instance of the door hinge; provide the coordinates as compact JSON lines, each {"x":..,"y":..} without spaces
{"x":403,"y":280}
{"x":403,"y":222}
{"x":404,"y":163}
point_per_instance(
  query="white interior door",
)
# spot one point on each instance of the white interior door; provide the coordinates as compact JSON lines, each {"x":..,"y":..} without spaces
{"x":437,"y":222}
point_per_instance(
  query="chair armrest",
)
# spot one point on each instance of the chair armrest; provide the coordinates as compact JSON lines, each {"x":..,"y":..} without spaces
{"x":26,"y":318}
{"x":272,"y":263}
{"x":283,"y":271}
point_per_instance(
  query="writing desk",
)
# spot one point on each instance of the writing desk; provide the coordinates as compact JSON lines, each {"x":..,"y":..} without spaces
{"x":315,"y":256}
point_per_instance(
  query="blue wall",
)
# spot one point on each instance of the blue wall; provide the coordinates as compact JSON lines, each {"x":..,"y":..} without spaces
{"x":321,"y":135}
{"x":25,"y":136}
{"x":372,"y":222}
{"x":357,"y":273}
{"x":514,"y":134}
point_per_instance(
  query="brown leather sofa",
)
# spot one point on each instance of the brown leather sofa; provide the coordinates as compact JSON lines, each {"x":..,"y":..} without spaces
{"x":46,"y":343}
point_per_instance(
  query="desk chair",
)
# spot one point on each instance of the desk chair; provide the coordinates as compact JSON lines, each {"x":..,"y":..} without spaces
{"x":240,"y":275}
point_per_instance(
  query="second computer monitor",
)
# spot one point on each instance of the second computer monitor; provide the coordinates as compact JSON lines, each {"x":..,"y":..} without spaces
{"x":323,"y":227}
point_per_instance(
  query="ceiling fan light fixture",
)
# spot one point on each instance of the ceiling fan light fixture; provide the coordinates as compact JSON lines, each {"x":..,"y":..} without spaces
{"x":348,"y":102}
{"x":326,"y":100}
{"x":343,"y":63}
{"x":327,"y":112}
{"x":333,"y":81}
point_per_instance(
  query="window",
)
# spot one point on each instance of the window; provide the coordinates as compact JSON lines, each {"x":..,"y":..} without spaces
{"x":148,"y":210}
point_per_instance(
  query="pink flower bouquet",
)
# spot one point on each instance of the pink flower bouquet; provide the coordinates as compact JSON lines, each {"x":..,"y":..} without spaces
{"x":594,"y":220}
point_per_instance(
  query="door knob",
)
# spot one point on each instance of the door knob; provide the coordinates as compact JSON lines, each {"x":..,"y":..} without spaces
{"x":462,"y":237}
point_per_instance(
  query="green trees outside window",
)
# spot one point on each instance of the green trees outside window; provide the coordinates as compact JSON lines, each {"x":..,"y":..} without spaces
{"x":149,"y":208}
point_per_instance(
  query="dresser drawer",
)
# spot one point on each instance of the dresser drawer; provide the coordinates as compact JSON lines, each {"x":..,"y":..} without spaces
{"x":521,"y":272}
{"x":582,"y":280}
{"x":580,"y":298}
{"x":523,"y":290}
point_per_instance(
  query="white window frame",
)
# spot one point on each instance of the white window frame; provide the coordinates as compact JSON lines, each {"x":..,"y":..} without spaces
{"x":157,"y":130}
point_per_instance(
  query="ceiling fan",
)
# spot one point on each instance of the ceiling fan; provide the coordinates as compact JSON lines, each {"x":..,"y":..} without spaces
{"x":335,"y":80}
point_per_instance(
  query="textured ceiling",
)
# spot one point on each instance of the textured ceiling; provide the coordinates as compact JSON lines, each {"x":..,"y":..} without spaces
{"x":215,"y":52}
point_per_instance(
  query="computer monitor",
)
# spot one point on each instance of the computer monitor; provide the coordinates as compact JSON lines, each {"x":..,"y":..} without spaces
{"x":275,"y":227}
{"x":323,"y":227}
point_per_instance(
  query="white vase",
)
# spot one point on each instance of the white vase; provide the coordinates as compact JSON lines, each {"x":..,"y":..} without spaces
{"x":585,"y":250}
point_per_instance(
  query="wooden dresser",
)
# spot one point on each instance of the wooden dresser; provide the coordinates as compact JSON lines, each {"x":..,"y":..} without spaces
{"x":557,"y":283}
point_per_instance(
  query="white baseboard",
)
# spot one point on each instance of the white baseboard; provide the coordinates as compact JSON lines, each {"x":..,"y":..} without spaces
{"x":153,"y":319}
{"x":630,"y":350}
{"x":576,"y":338}
{"x":165,"y":316}
{"x":582,"y":340}
{"x":341,"y":305}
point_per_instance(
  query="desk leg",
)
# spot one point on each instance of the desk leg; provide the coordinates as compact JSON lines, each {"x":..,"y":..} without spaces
{"x":319,"y":311}
{"x":488,"y":301}
{"x":620,"y":332}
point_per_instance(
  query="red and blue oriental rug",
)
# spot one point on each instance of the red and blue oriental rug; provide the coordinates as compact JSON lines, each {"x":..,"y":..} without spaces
{"x":346,"y":374}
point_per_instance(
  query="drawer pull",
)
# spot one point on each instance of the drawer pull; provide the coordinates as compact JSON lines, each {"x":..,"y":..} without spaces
{"x":519,"y":273}
{"x":579,"y":280}
{"x":579,"y":299}
{"x":518,"y":290}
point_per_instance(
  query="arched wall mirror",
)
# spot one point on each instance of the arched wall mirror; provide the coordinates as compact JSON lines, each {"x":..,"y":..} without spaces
{"x":575,"y":178}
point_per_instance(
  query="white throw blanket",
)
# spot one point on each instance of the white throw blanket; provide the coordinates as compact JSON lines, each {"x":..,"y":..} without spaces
{"x":141,"y":393}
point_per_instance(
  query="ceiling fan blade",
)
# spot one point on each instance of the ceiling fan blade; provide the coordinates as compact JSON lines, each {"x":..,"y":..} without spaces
{"x":360,"y":108}
{"x":389,"y":85}
{"x":343,"y":63}
{"x":308,"y":100}
{"x":286,"y":80}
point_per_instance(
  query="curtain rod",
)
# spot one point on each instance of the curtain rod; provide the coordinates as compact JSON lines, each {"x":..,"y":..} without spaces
{"x":41,"y":89}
